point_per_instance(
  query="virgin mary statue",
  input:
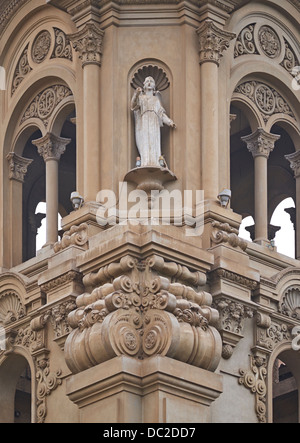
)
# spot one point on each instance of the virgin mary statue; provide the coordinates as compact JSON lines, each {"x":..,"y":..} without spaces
{"x":150,"y":116}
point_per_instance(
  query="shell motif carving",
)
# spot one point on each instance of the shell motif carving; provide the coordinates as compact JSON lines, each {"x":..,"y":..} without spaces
{"x":158,"y":74}
{"x":290,"y":304}
{"x":11,"y":308}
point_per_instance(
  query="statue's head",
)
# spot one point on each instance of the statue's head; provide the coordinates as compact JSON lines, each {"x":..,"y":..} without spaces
{"x":149,"y":83}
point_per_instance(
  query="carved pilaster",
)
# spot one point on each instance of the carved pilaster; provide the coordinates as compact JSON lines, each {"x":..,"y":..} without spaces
{"x":88,"y":43}
{"x":261,"y":143}
{"x":17,"y":166}
{"x":213,"y":41}
{"x":51,"y":147}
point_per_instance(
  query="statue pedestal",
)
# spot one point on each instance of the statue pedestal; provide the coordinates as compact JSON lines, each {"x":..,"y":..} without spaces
{"x":154,"y":390}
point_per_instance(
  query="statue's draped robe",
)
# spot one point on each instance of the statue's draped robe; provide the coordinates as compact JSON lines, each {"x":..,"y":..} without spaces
{"x":148,"y":114}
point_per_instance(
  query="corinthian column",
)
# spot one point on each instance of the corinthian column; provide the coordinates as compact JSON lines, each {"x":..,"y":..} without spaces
{"x":294,"y":160}
{"x":51,"y":148}
{"x":88,"y":43}
{"x":213,"y":41}
{"x":261,"y":144}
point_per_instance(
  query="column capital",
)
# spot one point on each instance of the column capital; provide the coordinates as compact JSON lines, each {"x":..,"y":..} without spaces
{"x":213,"y":41}
{"x":261,"y":143}
{"x":88,"y":43}
{"x":294,"y":160}
{"x":51,"y":147}
{"x":17,"y":166}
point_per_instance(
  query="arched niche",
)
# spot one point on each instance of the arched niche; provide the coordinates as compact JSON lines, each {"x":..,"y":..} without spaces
{"x":16,"y":399}
{"x":163,"y":79}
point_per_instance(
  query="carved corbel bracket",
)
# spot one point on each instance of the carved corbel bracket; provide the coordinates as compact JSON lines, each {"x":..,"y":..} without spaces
{"x":231,"y":322}
{"x":76,"y":236}
{"x":224,"y":233}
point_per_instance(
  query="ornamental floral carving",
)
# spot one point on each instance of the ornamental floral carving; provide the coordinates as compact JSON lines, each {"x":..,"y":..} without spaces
{"x":62,"y":48}
{"x":245,"y":43}
{"x":45,"y":103}
{"x":11,"y":308}
{"x":23,"y":68}
{"x":213,"y":41}
{"x":140,"y":315}
{"x":41,"y":47}
{"x":290,"y":60}
{"x":88,"y":43}
{"x":46,"y":383}
{"x":266,"y":99}
{"x":269,"y":42}
{"x":17,"y":166}
{"x":255,"y":380}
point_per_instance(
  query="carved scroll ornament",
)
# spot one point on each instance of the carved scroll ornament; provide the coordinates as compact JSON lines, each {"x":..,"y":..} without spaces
{"x":140,"y":316}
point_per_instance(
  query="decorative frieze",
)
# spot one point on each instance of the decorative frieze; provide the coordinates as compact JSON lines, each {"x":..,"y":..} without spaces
{"x":267,"y":100}
{"x":45,"y":103}
{"x":17,"y":166}
{"x":88,"y":43}
{"x":213,"y":41}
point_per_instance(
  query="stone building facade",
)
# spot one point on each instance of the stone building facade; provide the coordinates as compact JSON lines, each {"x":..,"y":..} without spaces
{"x":167,"y":318}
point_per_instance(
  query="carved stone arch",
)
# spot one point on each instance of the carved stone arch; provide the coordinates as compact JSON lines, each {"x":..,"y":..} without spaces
{"x":12,"y":365}
{"x":162,"y":74}
{"x":283,"y":351}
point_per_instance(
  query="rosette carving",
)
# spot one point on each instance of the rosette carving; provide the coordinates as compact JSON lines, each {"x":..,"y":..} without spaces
{"x":141,"y":315}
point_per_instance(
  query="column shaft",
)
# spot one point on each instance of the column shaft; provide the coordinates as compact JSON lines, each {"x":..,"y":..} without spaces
{"x":209,"y":130}
{"x":91,"y":125}
{"x":261,"y":198}
{"x":51,"y":201}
